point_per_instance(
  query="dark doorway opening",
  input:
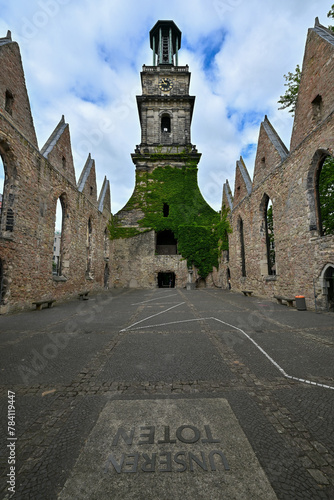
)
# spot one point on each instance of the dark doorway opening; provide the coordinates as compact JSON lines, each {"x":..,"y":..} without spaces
{"x":166,"y":243}
{"x":166,"y":280}
{"x":329,"y":281}
{"x":200,"y":283}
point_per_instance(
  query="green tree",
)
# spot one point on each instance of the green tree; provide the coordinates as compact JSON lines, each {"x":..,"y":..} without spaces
{"x":326,"y":196}
{"x":289,"y":99}
{"x":331,"y":14}
{"x":326,"y":178}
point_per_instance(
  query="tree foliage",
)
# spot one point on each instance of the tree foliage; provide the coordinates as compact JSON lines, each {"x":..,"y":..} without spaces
{"x":326,"y":196}
{"x":289,"y":99}
{"x":331,"y":14}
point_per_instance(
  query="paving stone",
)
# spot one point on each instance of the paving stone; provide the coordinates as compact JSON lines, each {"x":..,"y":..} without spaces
{"x":288,"y":424}
{"x":318,"y":476}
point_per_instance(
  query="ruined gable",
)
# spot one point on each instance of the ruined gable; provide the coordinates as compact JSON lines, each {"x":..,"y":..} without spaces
{"x":227,"y":196}
{"x":243,"y":183}
{"x":14,"y":101}
{"x":87,"y":181}
{"x":315,"y":97}
{"x":270,"y":152}
{"x":57,"y":150}
{"x":31,"y":266}
{"x":276,"y":248}
{"x":104,"y":201}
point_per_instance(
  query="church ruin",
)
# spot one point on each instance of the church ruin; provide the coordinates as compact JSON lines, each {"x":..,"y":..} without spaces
{"x":288,"y":181}
{"x":167,"y":235}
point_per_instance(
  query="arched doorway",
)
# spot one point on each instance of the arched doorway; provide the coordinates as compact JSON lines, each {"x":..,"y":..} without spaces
{"x":166,"y":280}
{"x":200,"y":283}
{"x":329,"y":284}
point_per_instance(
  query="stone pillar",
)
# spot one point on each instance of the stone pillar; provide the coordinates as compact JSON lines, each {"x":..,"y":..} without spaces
{"x":190,"y":284}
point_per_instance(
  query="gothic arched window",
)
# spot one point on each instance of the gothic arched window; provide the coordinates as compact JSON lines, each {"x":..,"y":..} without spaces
{"x":325,"y":196}
{"x":58,"y":242}
{"x":242,"y":247}
{"x":2,"y":187}
{"x":89,"y":246}
{"x":268,"y":238}
{"x":165,"y":124}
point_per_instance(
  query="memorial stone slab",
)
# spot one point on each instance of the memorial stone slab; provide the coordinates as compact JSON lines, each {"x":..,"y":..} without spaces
{"x":167,"y":448}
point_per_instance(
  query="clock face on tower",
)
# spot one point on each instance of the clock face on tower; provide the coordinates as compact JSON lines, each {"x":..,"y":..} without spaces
{"x":165,"y":84}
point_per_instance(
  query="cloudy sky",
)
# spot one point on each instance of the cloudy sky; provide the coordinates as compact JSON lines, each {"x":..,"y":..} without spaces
{"x":82,"y":58}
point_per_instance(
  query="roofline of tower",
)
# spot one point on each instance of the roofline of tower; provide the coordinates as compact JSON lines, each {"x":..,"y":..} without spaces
{"x":165,"y":23}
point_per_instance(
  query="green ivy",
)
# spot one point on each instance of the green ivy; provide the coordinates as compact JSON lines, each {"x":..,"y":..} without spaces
{"x":116,"y":231}
{"x":201,"y":232}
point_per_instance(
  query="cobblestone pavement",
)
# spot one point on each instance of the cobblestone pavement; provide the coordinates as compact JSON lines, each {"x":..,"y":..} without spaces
{"x":273,"y":364}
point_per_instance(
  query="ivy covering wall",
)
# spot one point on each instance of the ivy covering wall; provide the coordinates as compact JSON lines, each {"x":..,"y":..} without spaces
{"x":201,"y":232}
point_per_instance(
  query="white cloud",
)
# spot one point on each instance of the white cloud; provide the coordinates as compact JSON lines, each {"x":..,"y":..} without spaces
{"x":82,"y":58}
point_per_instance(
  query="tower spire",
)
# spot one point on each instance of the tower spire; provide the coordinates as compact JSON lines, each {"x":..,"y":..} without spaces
{"x":165,"y":39}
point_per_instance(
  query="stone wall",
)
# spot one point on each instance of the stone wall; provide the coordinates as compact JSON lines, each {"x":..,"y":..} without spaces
{"x":35,"y":180}
{"x":135,"y":264}
{"x":289,"y":180}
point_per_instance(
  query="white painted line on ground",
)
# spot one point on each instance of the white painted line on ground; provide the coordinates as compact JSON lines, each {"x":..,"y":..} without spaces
{"x":274,"y":362}
{"x":286,"y":375}
{"x":157,"y":298}
{"x":169,"y":323}
{"x":153,"y":315}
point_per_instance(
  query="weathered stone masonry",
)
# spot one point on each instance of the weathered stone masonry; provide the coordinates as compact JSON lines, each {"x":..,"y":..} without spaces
{"x":34,"y":181}
{"x":289,"y":180}
{"x":165,"y":111}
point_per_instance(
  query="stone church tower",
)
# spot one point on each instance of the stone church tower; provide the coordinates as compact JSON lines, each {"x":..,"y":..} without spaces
{"x":166,"y":196}
{"x":165,"y":107}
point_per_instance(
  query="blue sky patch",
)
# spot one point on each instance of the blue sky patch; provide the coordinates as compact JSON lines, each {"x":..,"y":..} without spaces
{"x":90,"y":94}
{"x":242,"y":120}
{"x":208,"y":46}
{"x":248,"y":151}
{"x":103,"y":53}
{"x":211,"y":46}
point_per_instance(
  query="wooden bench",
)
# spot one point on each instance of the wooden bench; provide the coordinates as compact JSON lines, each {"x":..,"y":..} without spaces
{"x":40,"y":303}
{"x":83,"y":295}
{"x":247,"y":293}
{"x":288,"y":300}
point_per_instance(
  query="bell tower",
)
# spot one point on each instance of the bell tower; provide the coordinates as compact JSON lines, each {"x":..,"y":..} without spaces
{"x":165,"y":107}
{"x":166,"y":224}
